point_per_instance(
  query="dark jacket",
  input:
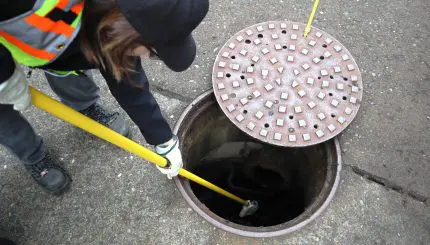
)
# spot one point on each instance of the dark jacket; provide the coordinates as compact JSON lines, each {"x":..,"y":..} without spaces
{"x":10,"y":9}
{"x":138,"y":103}
{"x":165,"y":25}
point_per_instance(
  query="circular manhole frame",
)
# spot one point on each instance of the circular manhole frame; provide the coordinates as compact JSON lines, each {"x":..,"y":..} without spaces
{"x":284,"y":89}
{"x":327,"y":193}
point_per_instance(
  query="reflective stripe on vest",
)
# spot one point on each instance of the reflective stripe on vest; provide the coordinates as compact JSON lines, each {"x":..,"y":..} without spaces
{"x":39,"y":36}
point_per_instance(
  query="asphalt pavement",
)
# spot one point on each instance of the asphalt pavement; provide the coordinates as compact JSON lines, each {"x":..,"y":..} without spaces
{"x":117,"y":198}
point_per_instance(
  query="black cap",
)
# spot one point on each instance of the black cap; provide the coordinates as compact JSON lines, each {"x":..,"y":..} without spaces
{"x":166,"y":25}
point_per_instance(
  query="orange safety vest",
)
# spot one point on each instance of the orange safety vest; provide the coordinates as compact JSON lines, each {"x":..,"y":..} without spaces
{"x":39,"y":36}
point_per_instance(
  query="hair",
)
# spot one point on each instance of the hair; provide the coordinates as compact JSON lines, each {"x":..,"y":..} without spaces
{"x":108,"y":39}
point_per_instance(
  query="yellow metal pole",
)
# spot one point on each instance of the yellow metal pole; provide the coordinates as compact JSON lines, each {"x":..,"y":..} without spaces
{"x":209,"y":185}
{"x":44,"y":102}
{"x":311,"y":18}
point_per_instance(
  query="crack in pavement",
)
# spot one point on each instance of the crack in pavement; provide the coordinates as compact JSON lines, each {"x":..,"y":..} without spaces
{"x":171,"y":94}
{"x":388,"y":184}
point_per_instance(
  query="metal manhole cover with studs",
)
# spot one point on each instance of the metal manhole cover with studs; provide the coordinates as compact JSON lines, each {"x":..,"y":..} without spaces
{"x":284,"y":89}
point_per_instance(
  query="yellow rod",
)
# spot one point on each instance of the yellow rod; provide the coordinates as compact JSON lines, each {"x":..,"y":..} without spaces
{"x":207,"y":184}
{"x":44,"y":102}
{"x":311,"y":18}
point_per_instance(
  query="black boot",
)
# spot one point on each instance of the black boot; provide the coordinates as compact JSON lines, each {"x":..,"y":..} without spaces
{"x":111,"y":120}
{"x":5,"y":241}
{"x":52,"y":177}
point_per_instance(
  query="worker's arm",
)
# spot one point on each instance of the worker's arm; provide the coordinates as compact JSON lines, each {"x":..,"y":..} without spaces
{"x":7,"y":66}
{"x":13,"y":83}
{"x":134,"y":97}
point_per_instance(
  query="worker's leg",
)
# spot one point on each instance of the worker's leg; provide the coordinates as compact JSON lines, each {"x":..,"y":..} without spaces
{"x":18,"y":136}
{"x":135,"y":98}
{"x":81,"y":93}
{"x":76,"y":91}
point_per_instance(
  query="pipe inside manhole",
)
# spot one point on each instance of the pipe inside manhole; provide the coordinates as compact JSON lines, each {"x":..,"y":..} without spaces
{"x":292,"y":185}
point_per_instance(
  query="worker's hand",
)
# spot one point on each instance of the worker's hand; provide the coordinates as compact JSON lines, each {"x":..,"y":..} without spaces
{"x":170,"y":150}
{"x":14,"y":91}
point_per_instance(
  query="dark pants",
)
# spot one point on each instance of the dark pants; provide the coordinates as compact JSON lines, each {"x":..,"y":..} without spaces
{"x":79,"y":92}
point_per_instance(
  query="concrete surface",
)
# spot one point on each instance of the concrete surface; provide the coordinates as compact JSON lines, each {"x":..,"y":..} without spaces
{"x":383,"y":197}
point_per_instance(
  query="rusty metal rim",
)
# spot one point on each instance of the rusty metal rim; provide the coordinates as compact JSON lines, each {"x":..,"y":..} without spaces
{"x":241,"y":230}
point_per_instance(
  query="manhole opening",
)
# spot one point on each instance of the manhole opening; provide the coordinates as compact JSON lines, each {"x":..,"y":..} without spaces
{"x":285,"y":181}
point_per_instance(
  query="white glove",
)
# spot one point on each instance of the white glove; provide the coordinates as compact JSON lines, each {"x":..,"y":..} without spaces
{"x":170,"y":150}
{"x":14,"y":91}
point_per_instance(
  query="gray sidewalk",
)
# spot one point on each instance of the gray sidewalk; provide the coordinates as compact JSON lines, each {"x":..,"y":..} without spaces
{"x":384,"y":193}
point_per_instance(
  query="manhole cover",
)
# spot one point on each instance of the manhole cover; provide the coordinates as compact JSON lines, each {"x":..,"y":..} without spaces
{"x":285,"y":89}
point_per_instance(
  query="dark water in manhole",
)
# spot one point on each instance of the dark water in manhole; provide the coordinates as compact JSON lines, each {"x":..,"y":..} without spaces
{"x":272,"y":176}
{"x":285,"y":181}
